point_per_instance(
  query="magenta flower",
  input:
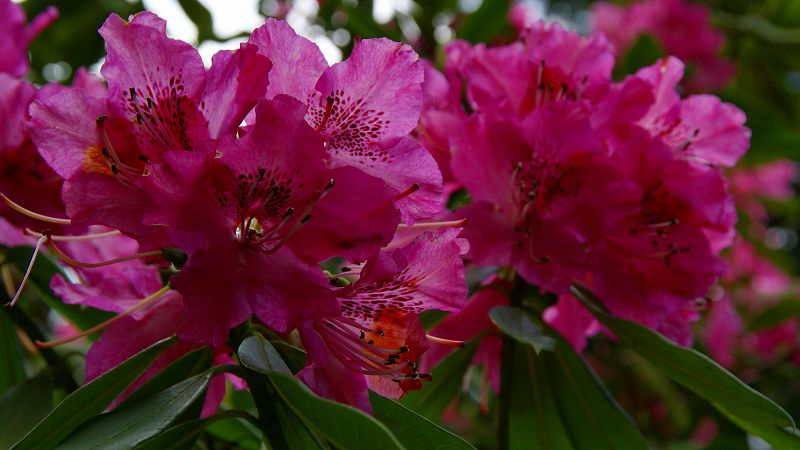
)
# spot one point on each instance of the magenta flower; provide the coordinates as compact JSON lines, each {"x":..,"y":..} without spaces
{"x":681,"y":27}
{"x":163,"y":102}
{"x":364,"y":107}
{"x":18,"y":34}
{"x":376,"y":339}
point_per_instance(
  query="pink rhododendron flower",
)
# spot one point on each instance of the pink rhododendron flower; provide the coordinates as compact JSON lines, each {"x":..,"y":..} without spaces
{"x":574,"y":177}
{"x":164,"y":102}
{"x":721,"y":331}
{"x":18,"y":34}
{"x":377,"y":333}
{"x":364,"y":107}
{"x":681,"y":27}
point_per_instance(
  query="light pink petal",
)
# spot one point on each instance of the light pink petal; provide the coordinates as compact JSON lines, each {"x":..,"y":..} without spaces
{"x":237,"y":78}
{"x":297,"y":63}
{"x":721,"y":137}
{"x":64,"y":129}
{"x":15,"y":96}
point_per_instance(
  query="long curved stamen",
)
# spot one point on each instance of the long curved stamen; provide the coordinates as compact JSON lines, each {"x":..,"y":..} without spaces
{"x":85,"y":237}
{"x":41,"y":241}
{"x":149,"y":299}
{"x":73,"y":262}
{"x":447,"y":342}
{"x":428,"y":226}
{"x":33,"y":215}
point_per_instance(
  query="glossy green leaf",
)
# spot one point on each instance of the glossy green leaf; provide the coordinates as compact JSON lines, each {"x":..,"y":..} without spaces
{"x":23,"y":406}
{"x":12,"y":372}
{"x":180,"y":437}
{"x":90,"y":399}
{"x":190,"y":364}
{"x":778,"y":438}
{"x":692,"y":369}
{"x":258,"y":354}
{"x":297,"y":433}
{"x":411,"y":429}
{"x":238,"y":433}
{"x":200,"y":16}
{"x":294,"y":357}
{"x":446,"y":381}
{"x":534,"y":419}
{"x":125,"y":428}
{"x":591,"y":416}
{"x":516,"y":323}
{"x":343,"y":426}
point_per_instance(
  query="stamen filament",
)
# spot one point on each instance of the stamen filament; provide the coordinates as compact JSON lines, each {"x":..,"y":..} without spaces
{"x":152,"y":297}
{"x":447,"y":342}
{"x":73,"y":262}
{"x":33,"y":215}
{"x":425,"y":226}
{"x":36,"y":249}
{"x":414,"y":188}
{"x":85,"y":237}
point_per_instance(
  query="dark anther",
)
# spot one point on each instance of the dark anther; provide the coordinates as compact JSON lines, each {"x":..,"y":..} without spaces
{"x":100,"y":119}
{"x":403,"y":349}
{"x":362,"y":336}
{"x":370,"y":342}
{"x":114,"y":168}
{"x":380,"y":332}
{"x":143,"y":158}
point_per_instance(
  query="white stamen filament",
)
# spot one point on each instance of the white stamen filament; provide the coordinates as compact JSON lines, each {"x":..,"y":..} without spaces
{"x":41,"y":241}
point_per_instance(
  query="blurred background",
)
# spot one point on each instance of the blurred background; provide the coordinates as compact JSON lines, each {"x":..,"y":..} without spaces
{"x":762,"y":40}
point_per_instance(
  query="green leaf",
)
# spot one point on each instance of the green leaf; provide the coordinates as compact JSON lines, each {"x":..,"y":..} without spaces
{"x":12,"y":372}
{"x":297,"y":433}
{"x":446,"y":380}
{"x":256,"y":353}
{"x":692,"y":369}
{"x":534,"y":420}
{"x":190,"y":364}
{"x":343,"y":426}
{"x":516,"y":323}
{"x":90,"y":399}
{"x":775,"y":315}
{"x":413,"y":430}
{"x":125,"y":428}
{"x":591,"y":416}
{"x":44,"y":270}
{"x":180,"y":437}
{"x":486,"y":22}
{"x":294,"y":357}
{"x":235,"y":432}
{"x":779,"y":438}
{"x":23,"y":406}
{"x":198,"y":14}
{"x":644,"y":52}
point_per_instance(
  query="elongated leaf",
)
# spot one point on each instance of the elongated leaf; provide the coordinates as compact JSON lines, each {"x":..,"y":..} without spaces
{"x":775,"y":315}
{"x":180,"y":437}
{"x":90,"y":399}
{"x":294,"y":357}
{"x":431,"y":401}
{"x":590,"y":415}
{"x":125,"y":428}
{"x":413,"y":430}
{"x":236,"y":432}
{"x":534,"y":419}
{"x":516,"y":323}
{"x":258,"y":354}
{"x":12,"y":372}
{"x":693,"y":370}
{"x":297,"y":433}
{"x":190,"y":364}
{"x":23,"y":406}
{"x":44,"y":270}
{"x":343,"y":426}
{"x":779,"y":438}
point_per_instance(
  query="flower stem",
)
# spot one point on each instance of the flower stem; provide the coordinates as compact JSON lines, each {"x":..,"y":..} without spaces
{"x":515,"y":298}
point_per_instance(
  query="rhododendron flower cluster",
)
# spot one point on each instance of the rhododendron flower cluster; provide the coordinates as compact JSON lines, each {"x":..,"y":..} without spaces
{"x":573,"y":177}
{"x":331,"y":210}
{"x":243,"y":178}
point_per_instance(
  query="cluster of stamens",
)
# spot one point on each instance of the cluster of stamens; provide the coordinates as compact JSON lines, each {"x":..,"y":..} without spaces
{"x":357,"y":347}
